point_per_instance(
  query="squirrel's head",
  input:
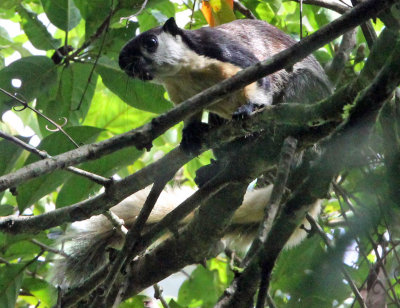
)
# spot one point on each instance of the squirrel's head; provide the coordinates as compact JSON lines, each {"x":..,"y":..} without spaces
{"x":154,"y":54}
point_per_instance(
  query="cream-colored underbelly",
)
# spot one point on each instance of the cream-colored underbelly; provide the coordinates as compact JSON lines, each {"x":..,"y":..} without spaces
{"x":191,"y":81}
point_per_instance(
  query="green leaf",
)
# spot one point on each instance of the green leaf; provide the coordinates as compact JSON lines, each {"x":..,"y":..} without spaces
{"x":134,"y":302}
{"x":74,"y":86}
{"x":36,"y":74}
{"x":318,"y":270}
{"x":36,"y":31}
{"x":200,"y":290}
{"x":5,"y":38}
{"x":174,"y":304}
{"x":165,"y":7}
{"x":6,"y":209}
{"x":8,"y":4}
{"x":10,"y":283}
{"x":136,"y":93}
{"x":79,"y":188}
{"x":42,"y":290}
{"x":21,"y":249}
{"x":9,"y":153}
{"x":111,"y":113}
{"x":95,"y":12}
{"x":62,"y":13}
{"x":54,"y":144}
{"x":147,"y":21}
{"x":275,"y":5}
{"x":9,"y":45}
{"x":225,"y":275}
{"x":265,"y":11}
{"x":322,"y":55}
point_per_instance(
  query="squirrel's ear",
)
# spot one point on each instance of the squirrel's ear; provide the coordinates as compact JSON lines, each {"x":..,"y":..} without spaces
{"x":171,"y":27}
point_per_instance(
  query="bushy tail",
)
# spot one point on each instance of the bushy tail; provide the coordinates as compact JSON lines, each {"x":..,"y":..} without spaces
{"x":92,"y":239}
{"x":89,"y":242}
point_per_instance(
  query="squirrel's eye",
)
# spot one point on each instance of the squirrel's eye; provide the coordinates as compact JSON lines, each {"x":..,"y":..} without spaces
{"x":150,"y":43}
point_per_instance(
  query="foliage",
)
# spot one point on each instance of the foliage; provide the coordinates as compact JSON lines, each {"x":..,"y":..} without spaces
{"x":87,"y":88}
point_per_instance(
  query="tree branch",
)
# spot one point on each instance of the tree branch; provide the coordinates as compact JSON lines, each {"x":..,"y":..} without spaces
{"x":131,"y":239}
{"x":43,"y":154}
{"x":334,"y":6}
{"x":238,"y":6}
{"x":114,"y":193}
{"x":336,"y":67}
{"x":367,"y":28}
{"x":287,"y":153}
{"x":271,"y":209}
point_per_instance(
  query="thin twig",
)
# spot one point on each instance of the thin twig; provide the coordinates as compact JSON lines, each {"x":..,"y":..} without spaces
{"x":158,"y":295}
{"x":48,"y":248}
{"x":367,"y":28}
{"x":25,"y":105}
{"x":105,"y":30}
{"x":301,"y":18}
{"x":328,"y":4}
{"x":287,"y":154}
{"x":345,"y":3}
{"x":117,"y":222}
{"x":43,"y":154}
{"x":125,"y":255}
{"x":340,"y":191}
{"x":191,"y":15}
{"x":270,"y":301}
{"x":317,"y":228}
{"x":238,"y":6}
{"x":172,"y":218}
{"x":60,"y":293}
{"x":137,"y":13}
{"x":271,"y":209}
{"x":121,"y":292}
{"x":92,"y":38}
{"x":336,"y":67}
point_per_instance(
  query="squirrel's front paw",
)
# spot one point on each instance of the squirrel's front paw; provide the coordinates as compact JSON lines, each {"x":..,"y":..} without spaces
{"x":191,"y":137}
{"x":244,"y":111}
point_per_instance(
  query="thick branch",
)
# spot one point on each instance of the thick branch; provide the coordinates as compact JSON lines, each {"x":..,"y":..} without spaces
{"x":367,"y":28}
{"x":131,"y":237}
{"x":271,"y":209}
{"x":115,"y":193}
{"x":336,"y":67}
{"x":287,"y":154}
